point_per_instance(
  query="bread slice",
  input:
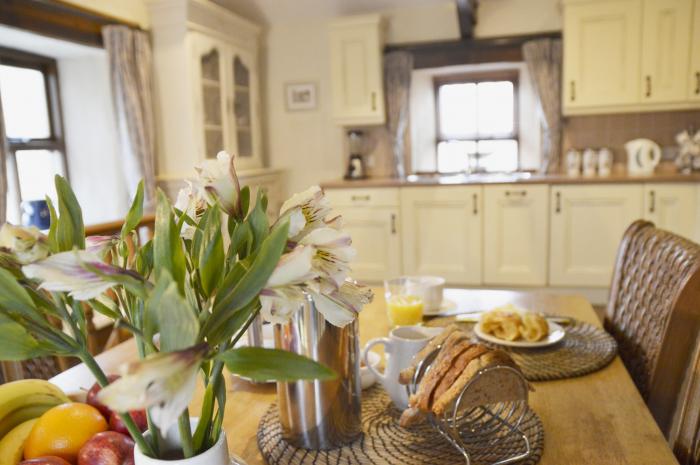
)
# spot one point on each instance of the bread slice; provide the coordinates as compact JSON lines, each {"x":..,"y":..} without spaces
{"x":475,"y":351}
{"x":411,"y":416}
{"x":406,"y":375}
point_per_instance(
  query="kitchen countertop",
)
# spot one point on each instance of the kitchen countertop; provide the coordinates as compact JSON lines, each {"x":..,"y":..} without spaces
{"x":506,"y":178}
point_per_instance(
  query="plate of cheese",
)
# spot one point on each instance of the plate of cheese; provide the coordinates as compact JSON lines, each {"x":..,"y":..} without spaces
{"x":516,"y":327}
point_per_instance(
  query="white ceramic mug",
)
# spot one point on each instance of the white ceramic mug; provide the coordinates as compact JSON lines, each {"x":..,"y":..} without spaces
{"x":573,"y":163}
{"x":605,"y":161}
{"x":402,"y":344}
{"x":429,"y":288}
{"x":590,"y":162}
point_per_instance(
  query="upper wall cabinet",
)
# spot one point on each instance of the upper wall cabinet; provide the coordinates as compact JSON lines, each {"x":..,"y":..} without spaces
{"x":628,"y":55}
{"x":694,"y":72}
{"x":356,"y":70}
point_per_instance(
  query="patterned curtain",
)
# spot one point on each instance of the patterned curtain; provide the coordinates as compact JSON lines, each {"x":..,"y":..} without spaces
{"x":543,"y":58}
{"x":131,"y":69}
{"x":397,"y":86}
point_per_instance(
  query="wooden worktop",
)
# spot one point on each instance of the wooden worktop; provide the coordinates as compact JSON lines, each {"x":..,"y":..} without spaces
{"x":533,"y":178}
{"x":597,"y":419}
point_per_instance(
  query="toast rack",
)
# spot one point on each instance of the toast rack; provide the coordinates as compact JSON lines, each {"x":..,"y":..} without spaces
{"x":479,"y":423}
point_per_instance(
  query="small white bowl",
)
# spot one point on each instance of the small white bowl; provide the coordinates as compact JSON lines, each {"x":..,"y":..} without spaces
{"x":367,"y":378}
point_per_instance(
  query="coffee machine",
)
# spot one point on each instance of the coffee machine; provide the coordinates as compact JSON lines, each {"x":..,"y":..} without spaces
{"x":357,"y":144}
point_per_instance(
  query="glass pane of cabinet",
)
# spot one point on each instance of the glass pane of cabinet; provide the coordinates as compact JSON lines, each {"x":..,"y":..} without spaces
{"x":211,"y":95}
{"x":242,"y":108}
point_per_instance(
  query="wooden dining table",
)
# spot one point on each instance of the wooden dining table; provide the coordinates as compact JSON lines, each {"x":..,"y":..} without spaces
{"x":597,"y":419}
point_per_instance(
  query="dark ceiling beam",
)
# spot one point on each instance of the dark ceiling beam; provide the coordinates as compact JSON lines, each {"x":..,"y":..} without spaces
{"x":462,"y":52}
{"x":466,"y":12}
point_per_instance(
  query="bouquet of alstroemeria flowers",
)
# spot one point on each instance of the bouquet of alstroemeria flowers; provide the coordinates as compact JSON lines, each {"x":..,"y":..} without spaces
{"x":187,"y":295}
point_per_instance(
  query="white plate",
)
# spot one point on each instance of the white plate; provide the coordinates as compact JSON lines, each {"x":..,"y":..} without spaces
{"x":556,"y":334}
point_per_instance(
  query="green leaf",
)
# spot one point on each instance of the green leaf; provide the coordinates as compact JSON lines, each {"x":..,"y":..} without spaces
{"x":14,"y":299}
{"x":135,"y":212}
{"x":168,"y":253}
{"x":53,"y":242}
{"x":261,"y":364}
{"x":70,"y":231}
{"x":241,"y":237}
{"x":211,"y":253}
{"x":144,"y":259}
{"x":245,"y":200}
{"x":16,"y":344}
{"x":104,"y":309}
{"x":234,"y":295}
{"x":170,"y":314}
{"x":259,"y":224}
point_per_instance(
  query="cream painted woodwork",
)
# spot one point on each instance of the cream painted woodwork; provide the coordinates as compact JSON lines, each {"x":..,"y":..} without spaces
{"x":442,"y":232}
{"x":371,"y":217}
{"x":694,"y":72}
{"x":356,"y":70}
{"x":672,"y":207}
{"x":601,"y":53}
{"x":207,"y":86}
{"x":516,"y":232}
{"x":272,"y":180}
{"x":666,"y":30}
{"x":587,"y":223}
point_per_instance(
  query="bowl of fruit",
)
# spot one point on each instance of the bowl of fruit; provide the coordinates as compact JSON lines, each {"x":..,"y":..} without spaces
{"x":40,"y":425}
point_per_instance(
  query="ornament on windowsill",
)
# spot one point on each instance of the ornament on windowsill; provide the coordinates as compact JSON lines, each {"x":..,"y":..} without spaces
{"x":689,"y":151}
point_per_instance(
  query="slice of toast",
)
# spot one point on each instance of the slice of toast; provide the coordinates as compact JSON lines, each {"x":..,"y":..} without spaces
{"x":475,"y":351}
{"x":406,"y":375}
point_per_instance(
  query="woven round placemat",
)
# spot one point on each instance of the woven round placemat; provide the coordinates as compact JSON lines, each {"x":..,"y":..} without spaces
{"x":384,"y":442}
{"x":584,"y":349}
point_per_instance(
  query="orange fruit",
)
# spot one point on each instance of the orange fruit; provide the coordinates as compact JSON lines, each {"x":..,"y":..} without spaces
{"x":62,"y":431}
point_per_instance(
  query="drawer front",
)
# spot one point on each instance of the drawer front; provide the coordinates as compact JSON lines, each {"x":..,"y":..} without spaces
{"x":358,"y":197}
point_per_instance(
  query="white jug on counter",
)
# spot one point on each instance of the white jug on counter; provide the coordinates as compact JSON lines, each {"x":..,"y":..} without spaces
{"x":642,"y":157}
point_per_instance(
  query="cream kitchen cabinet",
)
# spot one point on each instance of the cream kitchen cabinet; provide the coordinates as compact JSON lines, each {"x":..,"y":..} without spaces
{"x":601,"y":53}
{"x":442,"y":232}
{"x":516,"y":232}
{"x":371,"y":217}
{"x":587,"y":223}
{"x":694,"y":71}
{"x":356,"y":70}
{"x":666,"y":28}
{"x":672,"y":207}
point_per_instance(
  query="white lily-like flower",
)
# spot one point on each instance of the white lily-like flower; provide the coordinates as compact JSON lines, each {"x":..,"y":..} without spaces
{"x":334,"y":252}
{"x":163,"y":382}
{"x":27,"y":244}
{"x":190,"y":200}
{"x":284,"y":292}
{"x":314,"y":207}
{"x":220,"y":182}
{"x":341,"y":306}
{"x":69,"y":272}
{"x":100,"y":245}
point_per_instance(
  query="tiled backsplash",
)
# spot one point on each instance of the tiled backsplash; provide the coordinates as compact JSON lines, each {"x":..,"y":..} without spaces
{"x":614,"y":130}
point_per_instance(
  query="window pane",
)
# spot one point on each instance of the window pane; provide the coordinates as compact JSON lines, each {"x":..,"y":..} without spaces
{"x":36,"y":170}
{"x":457,"y":105}
{"x":453,"y":156}
{"x":498,"y":155}
{"x":495,"y":104}
{"x":24,"y":103}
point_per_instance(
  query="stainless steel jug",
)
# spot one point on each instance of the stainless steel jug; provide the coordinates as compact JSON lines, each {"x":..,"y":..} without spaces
{"x":320,"y":414}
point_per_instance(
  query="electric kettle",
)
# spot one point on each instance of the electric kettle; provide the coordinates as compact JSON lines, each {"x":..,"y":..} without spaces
{"x":642,"y":157}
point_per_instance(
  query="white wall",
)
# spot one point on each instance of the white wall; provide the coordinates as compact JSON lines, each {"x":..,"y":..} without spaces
{"x":92,"y":146}
{"x":133,"y":11}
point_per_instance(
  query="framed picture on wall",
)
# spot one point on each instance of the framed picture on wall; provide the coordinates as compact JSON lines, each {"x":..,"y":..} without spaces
{"x":301,"y":96}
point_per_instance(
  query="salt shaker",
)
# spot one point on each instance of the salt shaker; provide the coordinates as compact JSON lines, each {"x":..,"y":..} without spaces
{"x":605,"y":160}
{"x":573,"y":163}
{"x":590,"y":162}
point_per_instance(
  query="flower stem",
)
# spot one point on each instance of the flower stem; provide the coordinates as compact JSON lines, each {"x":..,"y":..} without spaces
{"x":185,"y":434}
{"x":102,"y":380}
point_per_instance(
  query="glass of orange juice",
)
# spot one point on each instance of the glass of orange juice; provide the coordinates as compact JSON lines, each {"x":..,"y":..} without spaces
{"x":404,"y":301}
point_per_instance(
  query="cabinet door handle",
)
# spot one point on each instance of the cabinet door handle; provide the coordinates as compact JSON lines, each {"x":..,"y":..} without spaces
{"x":648,"y":92}
{"x":516,"y":193}
{"x":557,"y":206}
{"x":358,"y":198}
{"x":374,"y":101}
{"x":572,"y":87}
{"x":393,"y":223}
{"x":475,"y":201}
{"x":652,"y":202}
{"x":697,"y":83}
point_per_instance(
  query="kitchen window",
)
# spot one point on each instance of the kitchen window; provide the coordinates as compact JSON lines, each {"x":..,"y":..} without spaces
{"x":477,"y":117}
{"x":33,"y":128}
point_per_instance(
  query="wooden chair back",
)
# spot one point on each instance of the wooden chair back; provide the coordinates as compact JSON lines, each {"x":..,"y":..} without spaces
{"x":654,"y":314}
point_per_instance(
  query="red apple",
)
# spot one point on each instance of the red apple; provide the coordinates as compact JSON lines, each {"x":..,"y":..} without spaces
{"x":92,"y":397}
{"x":139,"y":416}
{"x":107,"y":448}
{"x":46,"y":460}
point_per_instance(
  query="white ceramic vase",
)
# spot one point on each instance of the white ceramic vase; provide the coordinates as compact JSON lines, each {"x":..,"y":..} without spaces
{"x":218,"y":454}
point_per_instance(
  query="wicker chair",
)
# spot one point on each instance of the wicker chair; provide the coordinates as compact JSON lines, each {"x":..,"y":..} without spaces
{"x":654,"y":314}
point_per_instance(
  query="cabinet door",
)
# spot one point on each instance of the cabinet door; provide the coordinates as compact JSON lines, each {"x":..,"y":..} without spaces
{"x":601,"y":53}
{"x":672,"y":207}
{"x":694,"y":85}
{"x":244,"y":109}
{"x":516,"y":220}
{"x":587,"y":224}
{"x":441,"y":230}
{"x":356,"y":71}
{"x":375,"y":237}
{"x":665,"y":50}
{"x":210,"y":95}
